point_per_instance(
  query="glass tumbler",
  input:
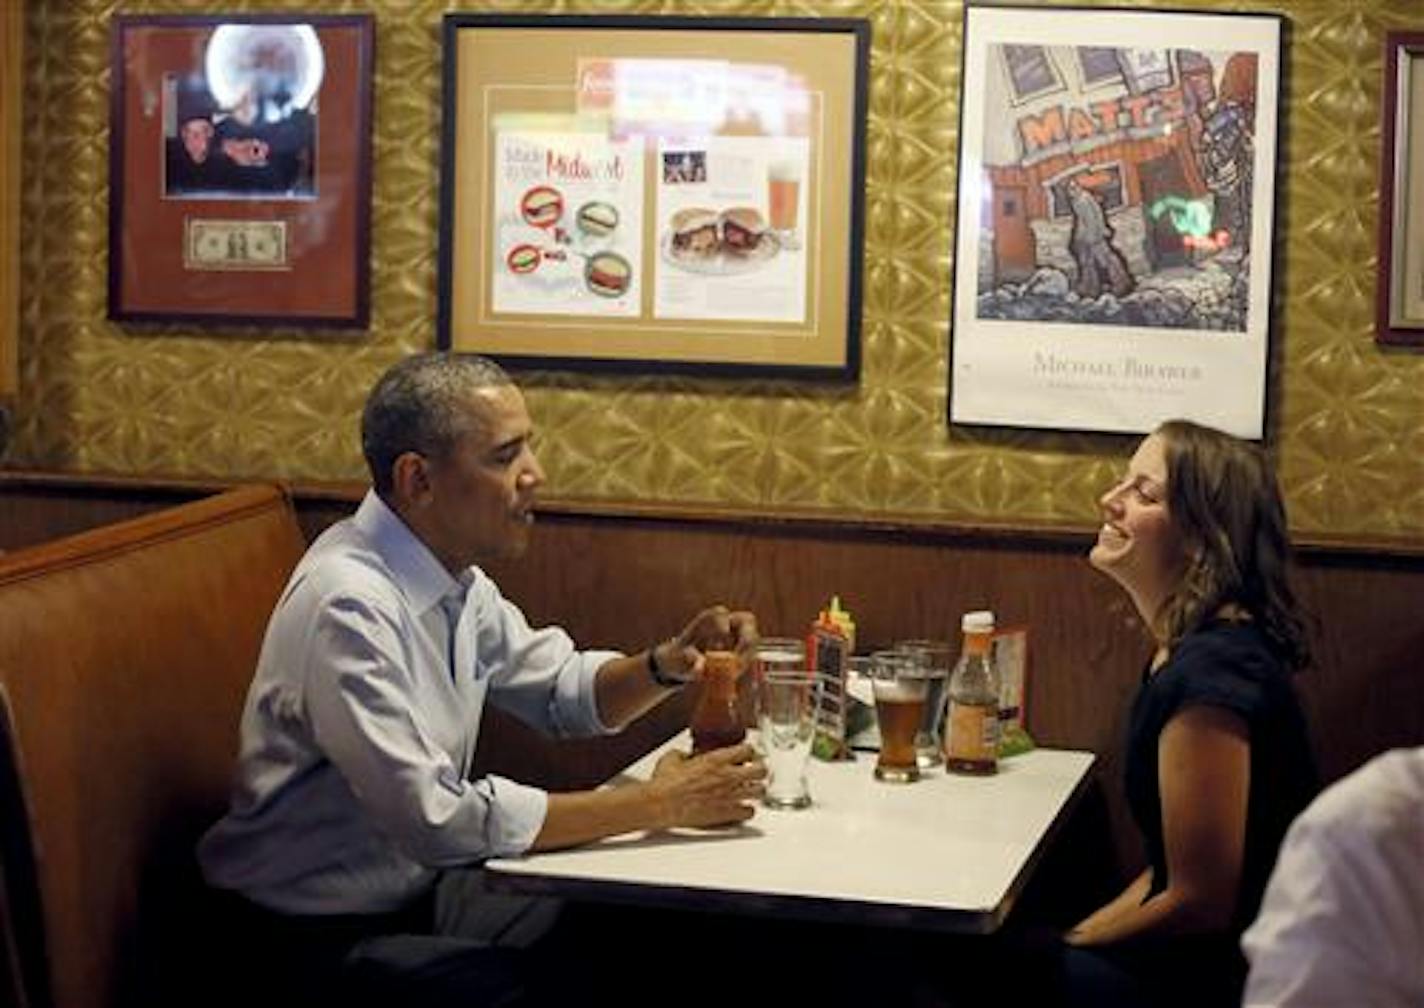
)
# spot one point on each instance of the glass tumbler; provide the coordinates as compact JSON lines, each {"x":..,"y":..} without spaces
{"x":934,"y":657}
{"x":900,"y":684}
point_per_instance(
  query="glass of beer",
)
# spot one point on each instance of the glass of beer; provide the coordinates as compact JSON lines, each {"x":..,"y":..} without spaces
{"x":783,"y":197}
{"x":934,"y":655}
{"x":900,"y":685}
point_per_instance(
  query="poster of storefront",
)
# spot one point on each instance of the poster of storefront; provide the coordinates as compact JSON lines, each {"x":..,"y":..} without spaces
{"x":1115,"y":219}
{"x":568,"y":220}
{"x":672,"y":194}
{"x":729,"y":242}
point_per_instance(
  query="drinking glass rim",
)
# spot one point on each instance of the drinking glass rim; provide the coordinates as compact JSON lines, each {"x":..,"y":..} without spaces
{"x":924,"y":644}
{"x":905,"y":666}
{"x":934,"y":656}
{"x":779,"y":644}
{"x":791,"y":675}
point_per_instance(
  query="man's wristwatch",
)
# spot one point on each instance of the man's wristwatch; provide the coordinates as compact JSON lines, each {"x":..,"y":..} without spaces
{"x":659,"y":676}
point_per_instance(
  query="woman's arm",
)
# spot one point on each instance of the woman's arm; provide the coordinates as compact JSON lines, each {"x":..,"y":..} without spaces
{"x":1204,"y":775}
{"x":1086,"y":930}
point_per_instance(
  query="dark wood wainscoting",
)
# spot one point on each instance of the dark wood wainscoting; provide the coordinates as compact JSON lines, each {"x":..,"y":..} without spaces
{"x":626,"y":577}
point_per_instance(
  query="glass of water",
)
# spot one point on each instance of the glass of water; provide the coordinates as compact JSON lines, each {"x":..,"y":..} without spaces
{"x":787,"y":723}
{"x":780,"y":654}
{"x":772,"y":654}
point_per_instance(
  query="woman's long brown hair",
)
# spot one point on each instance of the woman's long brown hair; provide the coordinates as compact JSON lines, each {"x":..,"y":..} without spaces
{"x":1226,"y":505}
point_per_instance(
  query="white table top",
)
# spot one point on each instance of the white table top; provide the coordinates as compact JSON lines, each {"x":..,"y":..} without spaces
{"x":945,"y":852}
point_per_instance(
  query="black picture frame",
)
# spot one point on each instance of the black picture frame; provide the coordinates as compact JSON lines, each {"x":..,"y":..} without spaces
{"x":1115,"y":231}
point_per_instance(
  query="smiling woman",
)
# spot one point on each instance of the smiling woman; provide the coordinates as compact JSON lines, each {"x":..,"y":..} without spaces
{"x":1137,"y":545}
{"x":1218,"y":760}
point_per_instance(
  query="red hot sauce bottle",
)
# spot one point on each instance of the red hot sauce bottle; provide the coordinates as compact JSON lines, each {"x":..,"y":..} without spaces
{"x":717,"y":721}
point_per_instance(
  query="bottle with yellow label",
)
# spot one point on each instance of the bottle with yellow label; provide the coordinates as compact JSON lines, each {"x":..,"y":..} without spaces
{"x":971,"y":735}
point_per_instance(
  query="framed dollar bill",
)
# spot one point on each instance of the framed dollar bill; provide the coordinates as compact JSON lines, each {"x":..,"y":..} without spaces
{"x":676,"y":194}
{"x":240,"y":169}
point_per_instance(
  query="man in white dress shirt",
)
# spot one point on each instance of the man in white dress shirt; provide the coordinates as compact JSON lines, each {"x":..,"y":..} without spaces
{"x":352,"y":800}
{"x":1342,"y":921}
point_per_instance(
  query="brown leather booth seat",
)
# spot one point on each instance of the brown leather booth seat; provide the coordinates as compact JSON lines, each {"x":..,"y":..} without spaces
{"x":125,"y":654}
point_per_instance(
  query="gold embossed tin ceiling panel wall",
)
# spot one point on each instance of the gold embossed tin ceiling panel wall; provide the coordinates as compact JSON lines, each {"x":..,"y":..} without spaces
{"x":1348,"y":419}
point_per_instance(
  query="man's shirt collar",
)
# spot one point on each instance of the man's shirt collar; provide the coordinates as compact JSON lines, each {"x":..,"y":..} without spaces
{"x":410,"y":561}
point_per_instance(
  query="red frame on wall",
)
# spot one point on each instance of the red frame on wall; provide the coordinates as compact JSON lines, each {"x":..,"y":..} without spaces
{"x":1402,"y":133}
{"x":320,"y":273}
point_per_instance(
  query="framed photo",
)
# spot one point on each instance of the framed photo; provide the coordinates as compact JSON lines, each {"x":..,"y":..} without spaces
{"x":654,"y":193}
{"x":1010,"y":655}
{"x":1400,"y":295}
{"x":1116,"y":211}
{"x":12,"y":33}
{"x":240,"y":168}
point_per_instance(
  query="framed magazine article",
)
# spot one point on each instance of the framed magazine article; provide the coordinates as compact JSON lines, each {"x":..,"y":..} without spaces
{"x":240,"y":169}
{"x":1009,"y":648}
{"x":1116,"y":211}
{"x":654,"y":194}
{"x":1400,"y":295}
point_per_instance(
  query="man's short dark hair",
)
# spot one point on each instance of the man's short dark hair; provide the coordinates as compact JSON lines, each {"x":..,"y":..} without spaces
{"x":417,"y":405}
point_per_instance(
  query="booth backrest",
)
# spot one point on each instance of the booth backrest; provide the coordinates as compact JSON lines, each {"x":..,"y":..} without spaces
{"x":125,"y":654}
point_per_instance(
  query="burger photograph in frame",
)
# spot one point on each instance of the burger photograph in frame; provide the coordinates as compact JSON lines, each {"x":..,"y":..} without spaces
{"x":1115,"y":218}
{"x":240,"y":169}
{"x":617,"y":193}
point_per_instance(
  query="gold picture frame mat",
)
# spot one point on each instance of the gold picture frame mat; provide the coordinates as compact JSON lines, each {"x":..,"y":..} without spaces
{"x":689,"y":338}
{"x":497,"y":66}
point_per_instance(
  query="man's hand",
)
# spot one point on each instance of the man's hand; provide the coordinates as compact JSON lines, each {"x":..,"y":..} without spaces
{"x":249,"y":153}
{"x":718,"y":788}
{"x":715,"y":629}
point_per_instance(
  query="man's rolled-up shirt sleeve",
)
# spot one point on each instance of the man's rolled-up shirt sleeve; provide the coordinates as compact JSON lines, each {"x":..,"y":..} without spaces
{"x":359,"y":701}
{"x":537,"y":674}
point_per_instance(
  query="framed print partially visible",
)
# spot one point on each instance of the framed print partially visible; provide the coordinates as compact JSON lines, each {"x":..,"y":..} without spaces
{"x":1009,"y":651}
{"x":1400,"y":295}
{"x":1116,"y":208}
{"x":654,"y":194}
{"x":240,"y":169}
{"x":12,"y":33}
